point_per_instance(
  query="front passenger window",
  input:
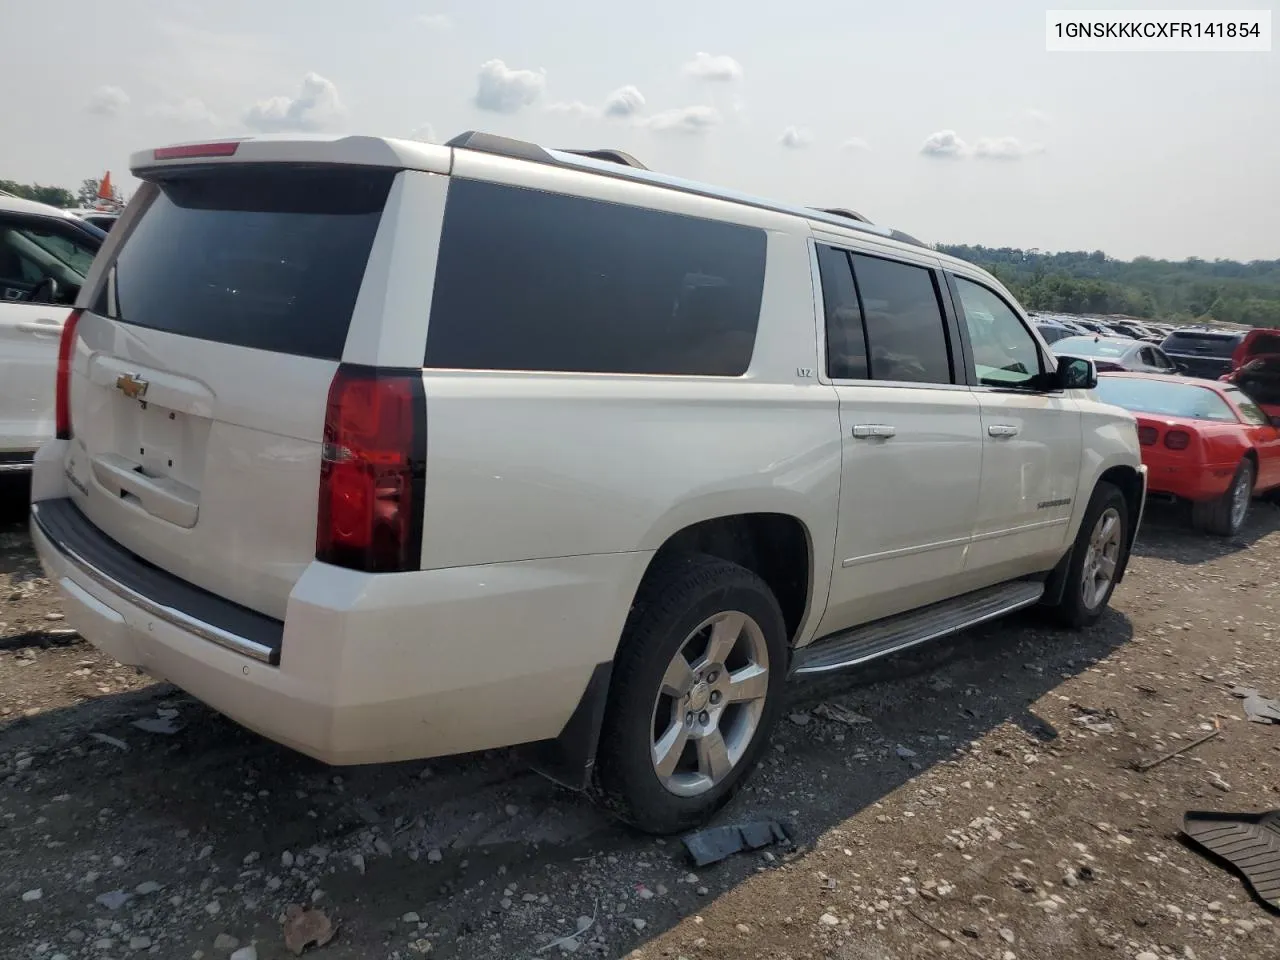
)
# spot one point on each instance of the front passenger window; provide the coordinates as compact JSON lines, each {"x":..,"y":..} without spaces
{"x":1005,"y":354}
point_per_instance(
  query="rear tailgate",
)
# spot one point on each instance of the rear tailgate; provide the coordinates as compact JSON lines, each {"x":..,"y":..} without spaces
{"x":203,"y":366}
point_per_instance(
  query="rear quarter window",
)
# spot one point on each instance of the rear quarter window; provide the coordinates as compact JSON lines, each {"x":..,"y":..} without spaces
{"x":537,"y":281}
{"x":266,"y":258}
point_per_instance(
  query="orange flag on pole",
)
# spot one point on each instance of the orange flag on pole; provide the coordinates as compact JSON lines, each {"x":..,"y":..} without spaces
{"x":104,"y":188}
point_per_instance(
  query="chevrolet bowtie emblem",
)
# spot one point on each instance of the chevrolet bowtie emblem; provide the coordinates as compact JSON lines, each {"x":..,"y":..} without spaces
{"x":132,"y":386}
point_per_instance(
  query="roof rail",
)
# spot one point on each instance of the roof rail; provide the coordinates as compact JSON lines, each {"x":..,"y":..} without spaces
{"x":843,"y":212}
{"x":609,"y":154}
{"x":627,"y":167}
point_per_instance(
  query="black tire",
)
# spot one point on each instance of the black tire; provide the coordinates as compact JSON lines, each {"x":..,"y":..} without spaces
{"x":1218,"y":516}
{"x":1073,"y":610}
{"x":675,"y":597}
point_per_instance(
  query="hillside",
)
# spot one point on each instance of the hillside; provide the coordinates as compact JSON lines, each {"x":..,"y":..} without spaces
{"x":1082,"y":282}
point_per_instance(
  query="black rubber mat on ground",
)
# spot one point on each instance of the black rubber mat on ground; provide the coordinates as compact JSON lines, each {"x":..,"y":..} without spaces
{"x":1250,"y":842}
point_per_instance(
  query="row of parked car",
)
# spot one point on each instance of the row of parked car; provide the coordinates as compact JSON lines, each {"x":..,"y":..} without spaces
{"x":1212,"y":444}
{"x":391,"y":450}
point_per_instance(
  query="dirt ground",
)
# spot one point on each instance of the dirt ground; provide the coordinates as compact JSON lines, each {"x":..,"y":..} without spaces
{"x":988,"y":807}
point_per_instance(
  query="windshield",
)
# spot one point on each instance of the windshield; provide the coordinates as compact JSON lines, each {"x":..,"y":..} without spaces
{"x":1090,"y":347}
{"x":1165,"y":398}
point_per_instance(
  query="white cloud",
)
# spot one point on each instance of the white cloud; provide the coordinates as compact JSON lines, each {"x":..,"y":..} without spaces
{"x":426,"y":133}
{"x":574,"y":108}
{"x":504,"y":90}
{"x":435,"y":21}
{"x":108,"y":101}
{"x":187,"y":110}
{"x":855,"y":143}
{"x":687,"y":120}
{"x":316,"y":107}
{"x":721,"y":68}
{"x":1036,"y":116}
{"x":944,"y":143}
{"x":795,"y":138}
{"x":1004,"y":148}
{"x":624,"y":102}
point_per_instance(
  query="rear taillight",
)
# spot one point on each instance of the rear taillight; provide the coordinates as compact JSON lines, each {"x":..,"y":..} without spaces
{"x":1177,"y":439}
{"x":1147,"y":436}
{"x":62,"y":394}
{"x":373,"y":470}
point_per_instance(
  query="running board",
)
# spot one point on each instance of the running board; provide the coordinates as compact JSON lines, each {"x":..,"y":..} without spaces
{"x":892,"y":634}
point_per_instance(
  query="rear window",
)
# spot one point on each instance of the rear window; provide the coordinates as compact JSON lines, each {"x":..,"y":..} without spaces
{"x":268,"y":258}
{"x":528,"y":280}
{"x":1203,"y":344}
{"x":1089,"y":347}
{"x":1165,"y":398}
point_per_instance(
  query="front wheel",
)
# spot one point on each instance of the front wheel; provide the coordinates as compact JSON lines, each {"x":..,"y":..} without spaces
{"x":1096,"y":557}
{"x":1225,"y":516}
{"x":697,"y":685}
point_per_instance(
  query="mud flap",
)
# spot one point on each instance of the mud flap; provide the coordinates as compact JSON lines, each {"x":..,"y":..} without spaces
{"x":569,"y":758}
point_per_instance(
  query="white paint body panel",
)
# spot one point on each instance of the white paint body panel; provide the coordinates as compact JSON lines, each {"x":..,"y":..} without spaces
{"x":907,"y":501}
{"x":29,"y":335}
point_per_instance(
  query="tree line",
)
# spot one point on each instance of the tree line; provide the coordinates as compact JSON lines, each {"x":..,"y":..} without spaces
{"x":59,"y":197}
{"x":1172,"y":290}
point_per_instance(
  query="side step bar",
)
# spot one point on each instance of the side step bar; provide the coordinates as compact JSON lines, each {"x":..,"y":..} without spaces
{"x":892,"y":634}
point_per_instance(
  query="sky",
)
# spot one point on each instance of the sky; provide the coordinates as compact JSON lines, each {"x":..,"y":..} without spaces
{"x":947,"y":120}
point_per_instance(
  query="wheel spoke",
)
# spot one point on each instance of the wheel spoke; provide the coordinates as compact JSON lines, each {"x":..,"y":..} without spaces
{"x":749,"y":683}
{"x":713,"y":756}
{"x":678,"y":680}
{"x":669,"y":748}
{"x":1106,"y":567}
{"x":1108,"y":525}
{"x":724,"y":636}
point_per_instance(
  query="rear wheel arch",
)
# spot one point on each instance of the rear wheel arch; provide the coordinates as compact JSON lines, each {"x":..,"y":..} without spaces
{"x":776,"y":547}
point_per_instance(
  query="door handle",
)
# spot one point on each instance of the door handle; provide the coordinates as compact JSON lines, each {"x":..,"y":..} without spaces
{"x":863,"y":431}
{"x":1002,"y":430}
{"x":50,"y":328}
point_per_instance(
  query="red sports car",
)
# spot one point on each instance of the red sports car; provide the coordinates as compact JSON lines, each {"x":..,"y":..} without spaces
{"x":1202,"y":441}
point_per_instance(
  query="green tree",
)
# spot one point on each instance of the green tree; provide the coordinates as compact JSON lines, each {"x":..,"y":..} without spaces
{"x":54,"y":196}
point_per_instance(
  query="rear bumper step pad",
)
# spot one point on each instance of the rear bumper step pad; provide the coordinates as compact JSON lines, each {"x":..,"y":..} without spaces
{"x":162,"y":594}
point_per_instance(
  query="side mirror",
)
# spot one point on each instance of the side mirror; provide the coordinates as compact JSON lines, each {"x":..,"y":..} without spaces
{"x":1077,"y":373}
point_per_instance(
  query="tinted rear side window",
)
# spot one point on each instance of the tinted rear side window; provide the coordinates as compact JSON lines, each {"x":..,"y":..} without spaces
{"x":528,"y":280}
{"x":905,"y":327}
{"x":846,"y":341}
{"x":269,"y":258}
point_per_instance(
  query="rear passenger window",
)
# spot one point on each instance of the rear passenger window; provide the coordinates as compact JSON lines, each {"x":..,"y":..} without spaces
{"x":846,"y":342}
{"x":528,"y":280}
{"x":906,"y":332}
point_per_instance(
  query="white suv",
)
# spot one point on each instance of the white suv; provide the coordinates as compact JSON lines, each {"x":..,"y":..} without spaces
{"x":392,"y":450}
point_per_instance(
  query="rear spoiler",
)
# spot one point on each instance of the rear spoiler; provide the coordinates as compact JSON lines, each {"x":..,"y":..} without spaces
{"x":356,"y":151}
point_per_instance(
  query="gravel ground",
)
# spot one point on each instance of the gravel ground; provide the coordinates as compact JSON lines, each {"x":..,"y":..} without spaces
{"x":986,"y":808}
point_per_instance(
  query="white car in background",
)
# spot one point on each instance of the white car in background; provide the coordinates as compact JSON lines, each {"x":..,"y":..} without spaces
{"x":45,"y":254}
